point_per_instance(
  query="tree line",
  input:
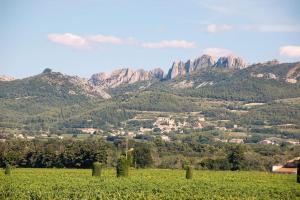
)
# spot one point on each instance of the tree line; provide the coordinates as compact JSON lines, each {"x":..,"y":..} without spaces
{"x":157,"y":153}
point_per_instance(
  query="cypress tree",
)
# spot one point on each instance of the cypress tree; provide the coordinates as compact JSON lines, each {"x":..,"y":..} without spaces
{"x":7,"y":169}
{"x":298,"y":172}
{"x":122,"y":167}
{"x":96,"y":169}
{"x":189,"y":172}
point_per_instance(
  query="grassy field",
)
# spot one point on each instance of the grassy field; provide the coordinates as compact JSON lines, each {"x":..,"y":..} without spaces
{"x":146,"y":184}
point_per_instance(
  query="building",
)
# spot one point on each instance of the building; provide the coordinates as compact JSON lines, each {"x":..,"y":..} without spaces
{"x":292,"y":142}
{"x":88,"y":130}
{"x":290,"y":167}
{"x":30,"y":137}
{"x":266,"y":142}
{"x":237,"y":141}
{"x":165,"y":138}
{"x":20,"y":136}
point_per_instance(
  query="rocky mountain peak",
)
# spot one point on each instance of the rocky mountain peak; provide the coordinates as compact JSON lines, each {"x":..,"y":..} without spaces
{"x":205,"y":61}
{"x":157,"y":73}
{"x":230,"y":62}
{"x":178,"y":68}
{"x":124,"y":75}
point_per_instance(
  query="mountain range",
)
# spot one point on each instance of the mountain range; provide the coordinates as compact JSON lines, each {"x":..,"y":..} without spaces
{"x":99,"y":83}
{"x":107,"y":100}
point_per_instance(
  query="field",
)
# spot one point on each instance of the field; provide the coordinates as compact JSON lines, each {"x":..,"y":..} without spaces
{"x":146,"y":184}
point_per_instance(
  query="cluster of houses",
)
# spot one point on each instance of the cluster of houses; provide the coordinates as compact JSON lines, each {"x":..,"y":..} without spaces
{"x":29,"y":137}
{"x":167,"y":124}
{"x":233,"y":140}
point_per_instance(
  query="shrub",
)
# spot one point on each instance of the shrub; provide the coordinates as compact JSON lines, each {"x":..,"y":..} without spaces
{"x":7,"y":169}
{"x":96,"y":169}
{"x":122,"y":167}
{"x":189,"y":172}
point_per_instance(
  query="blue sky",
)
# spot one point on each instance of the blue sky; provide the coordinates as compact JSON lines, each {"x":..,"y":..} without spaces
{"x":82,"y":37}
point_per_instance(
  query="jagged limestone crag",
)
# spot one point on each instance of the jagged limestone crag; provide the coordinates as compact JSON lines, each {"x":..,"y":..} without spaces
{"x":180,"y":68}
{"x":124,"y":75}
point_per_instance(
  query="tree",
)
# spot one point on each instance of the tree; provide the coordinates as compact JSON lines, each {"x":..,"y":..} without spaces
{"x":142,"y":156}
{"x":96,"y":169}
{"x":236,"y":157}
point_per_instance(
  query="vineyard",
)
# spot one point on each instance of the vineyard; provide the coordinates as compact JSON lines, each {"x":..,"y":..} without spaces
{"x":145,"y":184}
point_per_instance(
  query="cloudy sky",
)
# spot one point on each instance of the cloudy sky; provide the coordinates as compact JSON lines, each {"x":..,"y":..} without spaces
{"x":82,"y":37}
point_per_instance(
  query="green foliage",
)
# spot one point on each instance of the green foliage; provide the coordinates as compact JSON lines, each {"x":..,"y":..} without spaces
{"x":159,"y":101}
{"x":122,"y":167}
{"x":189,"y":172}
{"x":54,"y":153}
{"x":142,"y":157}
{"x":97,"y":167}
{"x":236,"y":157}
{"x":215,"y":164}
{"x":274,"y":113}
{"x":7,"y":169}
{"x":75,"y":153}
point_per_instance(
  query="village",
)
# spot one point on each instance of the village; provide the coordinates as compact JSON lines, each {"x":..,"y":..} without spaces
{"x":164,"y":127}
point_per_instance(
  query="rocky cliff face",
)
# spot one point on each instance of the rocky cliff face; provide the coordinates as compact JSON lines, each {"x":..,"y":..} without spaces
{"x":125,"y":75}
{"x":87,"y":88}
{"x":205,"y":61}
{"x":230,"y":62}
{"x":178,"y":68}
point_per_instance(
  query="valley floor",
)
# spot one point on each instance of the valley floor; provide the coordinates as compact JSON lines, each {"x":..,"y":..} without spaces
{"x":146,"y":184}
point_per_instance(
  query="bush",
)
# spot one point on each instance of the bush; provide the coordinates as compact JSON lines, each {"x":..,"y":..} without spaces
{"x":122,"y":167}
{"x":189,"y":172}
{"x":96,"y":169}
{"x":7,"y":169}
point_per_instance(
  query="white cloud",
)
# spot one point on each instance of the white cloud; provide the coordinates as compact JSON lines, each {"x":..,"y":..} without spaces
{"x":68,"y":39}
{"x":169,"y":44}
{"x":212,"y":28}
{"x":272,"y":28}
{"x":217,"y":52}
{"x":109,"y":39}
{"x":77,"y":41}
{"x":290,"y":51}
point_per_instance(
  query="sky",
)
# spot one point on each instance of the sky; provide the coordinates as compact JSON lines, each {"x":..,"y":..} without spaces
{"x":83,"y":37}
